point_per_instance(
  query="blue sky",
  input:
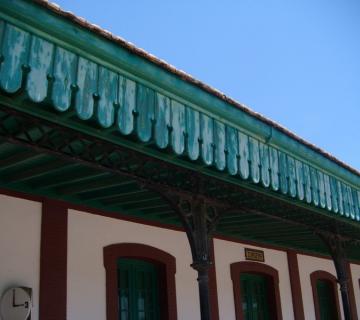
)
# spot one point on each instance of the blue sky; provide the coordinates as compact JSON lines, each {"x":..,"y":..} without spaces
{"x":296,"y":62}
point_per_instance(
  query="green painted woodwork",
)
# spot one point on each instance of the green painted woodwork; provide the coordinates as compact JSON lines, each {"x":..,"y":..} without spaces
{"x":254,"y":296}
{"x":162,"y":114}
{"x":138,"y":290}
{"x":192,"y":120}
{"x":110,"y":90}
{"x":326,"y":299}
{"x":40,"y":65}
{"x":65,"y":63}
{"x":127,"y":96}
{"x":274,"y":173}
{"x":283,"y":170}
{"x":62,"y":31}
{"x":86,"y":83}
{"x":244,"y":155}
{"x":219,"y":142}
{"x":177,"y":127}
{"x":307,"y":181}
{"x":232,"y":150}
{"x":145,"y":100}
{"x":291,"y":176}
{"x":15,"y":44}
{"x":300,"y":180}
{"x":206,"y":126}
{"x":254,"y":160}
{"x":265,"y":165}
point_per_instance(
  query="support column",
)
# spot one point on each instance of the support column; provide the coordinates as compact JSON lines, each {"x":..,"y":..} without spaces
{"x":336,"y":247}
{"x":204,"y":292}
{"x":199,"y":219}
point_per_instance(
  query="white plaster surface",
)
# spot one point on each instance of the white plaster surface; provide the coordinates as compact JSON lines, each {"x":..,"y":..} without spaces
{"x":355,"y":272}
{"x":20,"y":231}
{"x":226,"y":253}
{"x":20,"y":226}
{"x":88,"y":234}
{"x":307,"y":265}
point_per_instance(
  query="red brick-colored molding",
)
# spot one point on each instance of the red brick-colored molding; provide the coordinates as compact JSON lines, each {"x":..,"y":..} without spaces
{"x":295,"y":285}
{"x":166,"y":263}
{"x":351,"y":293}
{"x":53,"y":261}
{"x":273,"y":280}
{"x":323,"y":275}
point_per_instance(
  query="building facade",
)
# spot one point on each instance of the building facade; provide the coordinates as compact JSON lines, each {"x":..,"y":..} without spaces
{"x":130,"y":190}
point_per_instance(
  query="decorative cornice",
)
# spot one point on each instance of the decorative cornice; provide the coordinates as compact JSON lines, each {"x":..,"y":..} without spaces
{"x":107,"y":98}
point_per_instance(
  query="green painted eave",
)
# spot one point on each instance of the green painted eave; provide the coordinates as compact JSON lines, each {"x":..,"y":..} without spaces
{"x":53,"y":68}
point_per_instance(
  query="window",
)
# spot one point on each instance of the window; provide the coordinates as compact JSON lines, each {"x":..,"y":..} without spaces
{"x":138,"y":289}
{"x":326,"y":301}
{"x":140,"y":283}
{"x":254,"y":296}
{"x":256,"y":291}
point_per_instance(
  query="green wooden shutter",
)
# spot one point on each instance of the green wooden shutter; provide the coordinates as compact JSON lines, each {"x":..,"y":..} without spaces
{"x":138,"y":290}
{"x":255,"y":302}
{"x":326,"y":299}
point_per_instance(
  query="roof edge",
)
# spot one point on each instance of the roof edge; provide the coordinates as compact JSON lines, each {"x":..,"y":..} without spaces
{"x":187,"y":77}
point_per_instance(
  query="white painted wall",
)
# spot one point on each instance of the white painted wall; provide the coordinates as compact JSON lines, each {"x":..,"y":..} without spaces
{"x":307,"y":265}
{"x":88,"y":234}
{"x":355,"y":272}
{"x":20,"y":226}
{"x":226,"y":253}
{"x":20,"y":230}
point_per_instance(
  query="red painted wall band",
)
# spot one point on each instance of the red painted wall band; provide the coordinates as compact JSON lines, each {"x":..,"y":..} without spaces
{"x":295,"y":284}
{"x":351,"y":294}
{"x":53,"y":261}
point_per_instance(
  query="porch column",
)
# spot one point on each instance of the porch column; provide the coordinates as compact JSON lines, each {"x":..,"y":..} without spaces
{"x":336,"y":247}
{"x":199,"y":219}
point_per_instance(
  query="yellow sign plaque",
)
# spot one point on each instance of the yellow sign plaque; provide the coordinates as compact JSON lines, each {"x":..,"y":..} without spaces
{"x":254,"y":255}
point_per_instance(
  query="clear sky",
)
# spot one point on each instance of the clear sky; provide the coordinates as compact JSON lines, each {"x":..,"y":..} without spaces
{"x":295,"y":61}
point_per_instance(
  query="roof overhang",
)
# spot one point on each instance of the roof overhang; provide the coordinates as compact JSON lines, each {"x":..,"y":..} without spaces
{"x":74,"y":98}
